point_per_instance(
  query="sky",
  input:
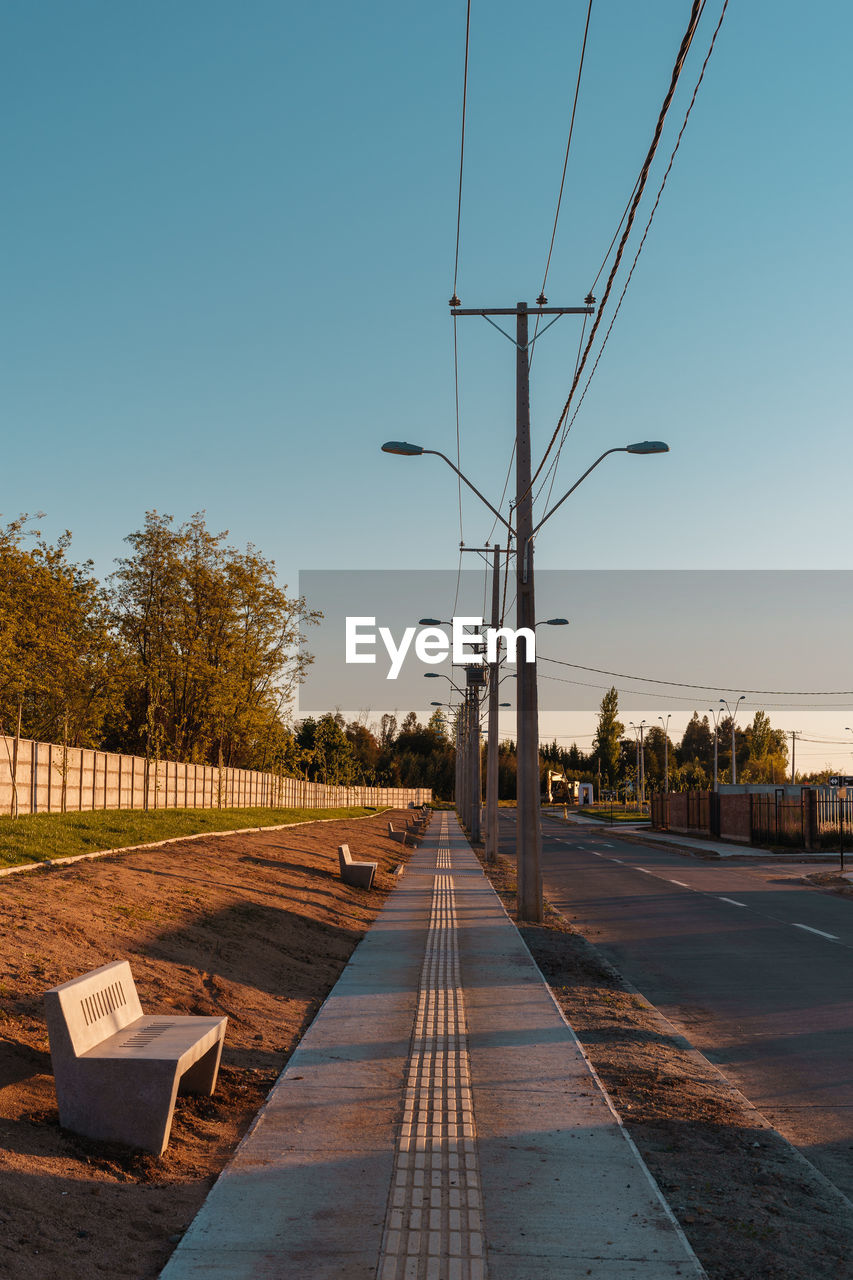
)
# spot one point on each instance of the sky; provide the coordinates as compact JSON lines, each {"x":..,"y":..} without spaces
{"x":229,"y":247}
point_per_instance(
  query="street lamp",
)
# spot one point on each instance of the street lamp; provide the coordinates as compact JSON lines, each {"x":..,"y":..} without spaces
{"x":638,"y":734}
{"x":732,"y":715}
{"x":717,"y":717}
{"x":665,"y":752}
{"x":528,"y":820}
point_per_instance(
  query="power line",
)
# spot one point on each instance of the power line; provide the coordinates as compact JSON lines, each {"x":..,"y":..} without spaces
{"x":695,"y":15}
{"x":647,"y":228}
{"x":458,"y":436}
{"x":566,"y":160}
{"x":454,"y":299}
{"x":462,"y":146}
{"x":708,"y":688}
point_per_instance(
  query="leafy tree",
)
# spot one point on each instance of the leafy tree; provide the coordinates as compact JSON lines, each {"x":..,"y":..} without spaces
{"x":213,"y":642}
{"x":697,"y":744}
{"x":606,"y":742}
{"x":659,"y":753}
{"x":60,"y":667}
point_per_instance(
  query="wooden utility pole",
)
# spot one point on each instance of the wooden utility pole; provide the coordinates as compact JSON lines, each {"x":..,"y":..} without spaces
{"x":528,"y":818}
{"x":492,"y":748}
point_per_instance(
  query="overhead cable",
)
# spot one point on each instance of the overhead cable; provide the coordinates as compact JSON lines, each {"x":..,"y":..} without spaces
{"x":683,"y":684}
{"x":695,"y":15}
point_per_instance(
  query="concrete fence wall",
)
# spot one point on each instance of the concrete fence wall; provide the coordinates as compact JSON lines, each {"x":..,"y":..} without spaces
{"x":53,"y":779}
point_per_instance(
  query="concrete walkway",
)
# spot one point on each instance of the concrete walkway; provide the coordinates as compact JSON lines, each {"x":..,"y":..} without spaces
{"x":438,"y":1120}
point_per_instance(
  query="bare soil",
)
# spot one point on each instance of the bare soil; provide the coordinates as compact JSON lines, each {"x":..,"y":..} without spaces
{"x":257,"y":927}
{"x":751,"y":1206}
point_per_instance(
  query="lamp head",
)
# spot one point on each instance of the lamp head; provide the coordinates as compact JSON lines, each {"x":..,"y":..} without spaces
{"x":403,"y":447}
{"x":556,"y":622}
{"x":429,"y":622}
{"x":644,"y":446}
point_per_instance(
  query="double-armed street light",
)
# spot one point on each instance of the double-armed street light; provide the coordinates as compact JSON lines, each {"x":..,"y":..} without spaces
{"x":528,"y":833}
{"x":732,"y":715}
{"x":665,"y":752}
{"x":641,"y":762}
{"x":717,"y":716}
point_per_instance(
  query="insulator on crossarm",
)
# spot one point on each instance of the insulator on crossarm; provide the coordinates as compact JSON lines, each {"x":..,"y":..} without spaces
{"x":589,"y":300}
{"x":542,"y":301}
{"x":454,"y":302}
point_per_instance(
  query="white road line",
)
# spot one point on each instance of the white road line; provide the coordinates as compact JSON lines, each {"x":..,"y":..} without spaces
{"x":732,"y":901}
{"x":820,"y":933}
{"x":681,"y":882}
{"x":619,"y":860}
{"x":645,"y":869}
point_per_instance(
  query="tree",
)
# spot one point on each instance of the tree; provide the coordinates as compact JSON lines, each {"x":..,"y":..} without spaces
{"x":766,"y":752}
{"x":659,"y":754}
{"x":697,"y":744}
{"x":606,"y":741}
{"x":213,"y":642}
{"x":60,"y":667}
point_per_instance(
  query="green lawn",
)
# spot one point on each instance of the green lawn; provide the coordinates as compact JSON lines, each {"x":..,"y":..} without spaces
{"x":59,"y":835}
{"x":603,"y":813}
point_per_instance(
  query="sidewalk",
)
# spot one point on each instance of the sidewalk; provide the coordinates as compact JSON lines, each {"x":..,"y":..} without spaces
{"x":438,"y":1120}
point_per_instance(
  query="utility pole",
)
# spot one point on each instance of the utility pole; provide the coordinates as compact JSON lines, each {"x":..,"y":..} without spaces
{"x":528,"y":834}
{"x":794,"y":733}
{"x":528,"y":817}
{"x":474,"y":762}
{"x":492,"y":759}
{"x":637,"y":774}
{"x":665,"y":724}
{"x":642,"y":769}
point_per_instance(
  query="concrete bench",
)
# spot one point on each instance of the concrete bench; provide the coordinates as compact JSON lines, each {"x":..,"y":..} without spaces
{"x":117,"y":1071}
{"x":401,"y":836}
{"x":359,"y":874}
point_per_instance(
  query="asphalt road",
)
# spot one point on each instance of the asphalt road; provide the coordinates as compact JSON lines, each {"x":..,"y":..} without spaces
{"x":755,"y":969}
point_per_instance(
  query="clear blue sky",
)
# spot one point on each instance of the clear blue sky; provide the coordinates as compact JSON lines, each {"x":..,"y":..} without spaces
{"x":228,"y":249}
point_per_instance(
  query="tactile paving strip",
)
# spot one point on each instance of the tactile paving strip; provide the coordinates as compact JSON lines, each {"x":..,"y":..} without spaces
{"x":433,"y":1230}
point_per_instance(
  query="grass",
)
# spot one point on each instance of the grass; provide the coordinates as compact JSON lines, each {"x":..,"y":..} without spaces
{"x":58,"y":835}
{"x":603,"y":813}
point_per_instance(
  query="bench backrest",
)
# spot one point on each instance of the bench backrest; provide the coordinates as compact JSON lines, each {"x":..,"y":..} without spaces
{"x":93,"y":1007}
{"x":344,"y":855}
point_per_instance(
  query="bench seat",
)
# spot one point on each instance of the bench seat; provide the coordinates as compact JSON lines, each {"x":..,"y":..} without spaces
{"x":359,"y":874}
{"x":117,"y":1070}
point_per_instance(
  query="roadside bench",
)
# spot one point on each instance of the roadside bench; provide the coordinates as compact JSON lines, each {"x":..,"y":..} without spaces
{"x":401,"y":836}
{"x":359,"y":874}
{"x":117,"y":1071}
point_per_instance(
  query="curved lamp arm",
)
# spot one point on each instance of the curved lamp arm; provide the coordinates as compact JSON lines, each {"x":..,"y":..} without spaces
{"x":415,"y":450}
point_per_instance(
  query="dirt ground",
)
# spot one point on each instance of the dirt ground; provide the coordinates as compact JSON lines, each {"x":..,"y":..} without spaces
{"x":257,"y":927}
{"x":750,"y":1206}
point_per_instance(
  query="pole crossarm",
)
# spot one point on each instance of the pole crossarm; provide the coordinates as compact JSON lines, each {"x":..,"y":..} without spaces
{"x":487,"y":312}
{"x":513,"y":311}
